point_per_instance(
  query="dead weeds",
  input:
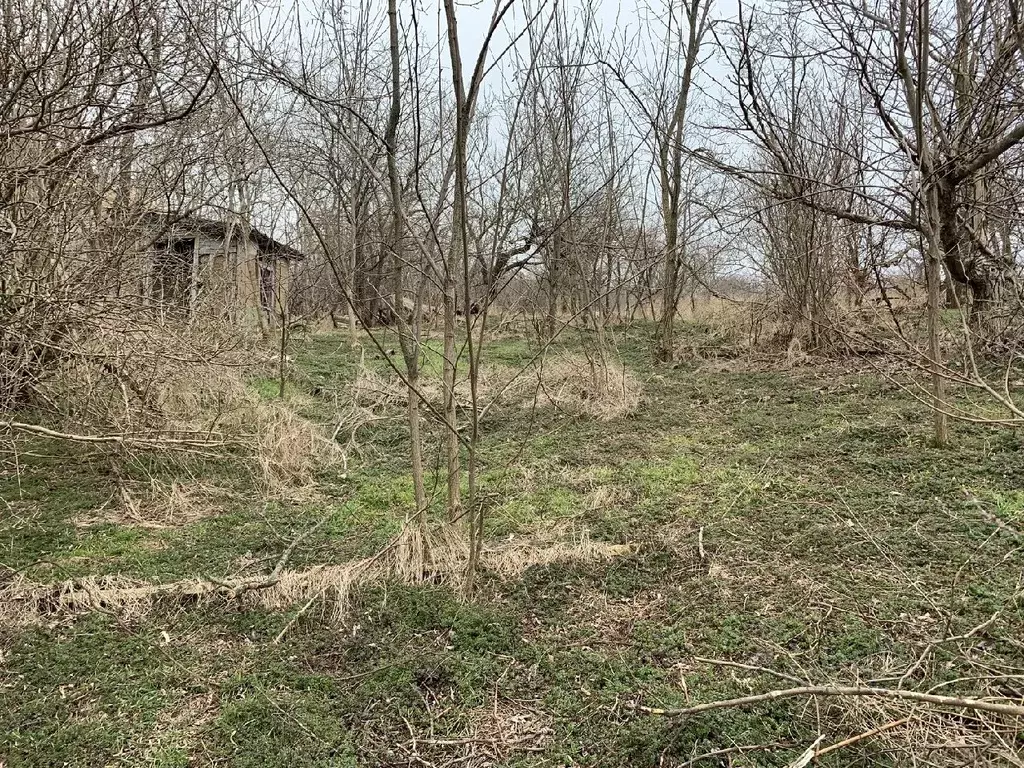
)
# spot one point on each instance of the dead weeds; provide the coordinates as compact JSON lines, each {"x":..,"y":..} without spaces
{"x":442,"y":556}
{"x":592,"y":386}
{"x":159,"y":505}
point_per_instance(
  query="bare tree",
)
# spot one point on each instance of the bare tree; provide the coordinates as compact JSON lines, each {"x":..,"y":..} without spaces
{"x":940,"y":114}
{"x":663,"y":98}
{"x":92,"y":99}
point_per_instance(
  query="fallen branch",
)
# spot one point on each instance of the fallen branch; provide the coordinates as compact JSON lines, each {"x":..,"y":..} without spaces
{"x":125,"y":439}
{"x":990,"y":517}
{"x":113,"y":592}
{"x":25,"y":600}
{"x":275,"y":575}
{"x":299,"y":614}
{"x":980,"y":705}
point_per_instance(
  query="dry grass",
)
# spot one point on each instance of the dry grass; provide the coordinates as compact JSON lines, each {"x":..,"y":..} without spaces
{"x":372,"y":390}
{"x":149,"y":377}
{"x":754,"y":333}
{"x":559,"y":544}
{"x":332,"y":584}
{"x":23,"y":602}
{"x":179,"y":727}
{"x":492,"y":735}
{"x":442,"y":553}
{"x":172,"y":381}
{"x":285,"y":449}
{"x":598,"y":387}
{"x":605,"y":497}
{"x":159,"y":505}
{"x":414,"y":556}
{"x":592,"y":386}
{"x":612,"y":619}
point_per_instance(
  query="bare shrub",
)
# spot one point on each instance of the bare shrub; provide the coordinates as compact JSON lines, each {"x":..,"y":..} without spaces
{"x":599,"y":388}
{"x":137,"y":375}
{"x":171,"y":381}
{"x":371,"y":389}
{"x":729,"y":335}
{"x":577,"y":384}
{"x":287,"y":449}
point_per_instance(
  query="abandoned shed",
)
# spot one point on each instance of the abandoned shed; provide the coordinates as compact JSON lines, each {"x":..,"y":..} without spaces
{"x":200,"y":266}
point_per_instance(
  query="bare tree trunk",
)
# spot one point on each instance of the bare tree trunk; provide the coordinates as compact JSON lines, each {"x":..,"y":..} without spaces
{"x":932,"y":215}
{"x":554,"y":286}
{"x":933,"y":277}
{"x":407,"y":336}
{"x":670,"y":155}
{"x":193,"y":284}
{"x":282,"y":357}
{"x":669,"y":290}
{"x":448,"y":378}
{"x":353,"y":265}
{"x":465,"y":100}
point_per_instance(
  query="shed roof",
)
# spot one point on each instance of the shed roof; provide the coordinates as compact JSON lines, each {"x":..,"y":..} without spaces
{"x":174,"y":224}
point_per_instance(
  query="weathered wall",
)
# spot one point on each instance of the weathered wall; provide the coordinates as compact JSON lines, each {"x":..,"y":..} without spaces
{"x":226,"y":281}
{"x":230,"y":281}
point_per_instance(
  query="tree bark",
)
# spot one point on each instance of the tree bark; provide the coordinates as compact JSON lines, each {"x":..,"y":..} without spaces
{"x":407,"y":337}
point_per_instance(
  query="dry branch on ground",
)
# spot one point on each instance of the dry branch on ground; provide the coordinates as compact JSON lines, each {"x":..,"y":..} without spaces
{"x":22,"y":601}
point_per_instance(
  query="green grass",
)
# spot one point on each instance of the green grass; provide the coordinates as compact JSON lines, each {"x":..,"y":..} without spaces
{"x":836,"y":539}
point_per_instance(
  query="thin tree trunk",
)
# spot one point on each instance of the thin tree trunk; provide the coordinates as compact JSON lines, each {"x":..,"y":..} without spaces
{"x":448,"y":378}
{"x":932,"y":215}
{"x":669,"y":288}
{"x":933,"y":277}
{"x":407,"y":336}
{"x":283,"y":350}
{"x":671,"y":153}
{"x":353,"y":263}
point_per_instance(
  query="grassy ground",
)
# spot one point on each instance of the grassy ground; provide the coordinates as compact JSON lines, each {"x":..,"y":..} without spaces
{"x":797,"y":520}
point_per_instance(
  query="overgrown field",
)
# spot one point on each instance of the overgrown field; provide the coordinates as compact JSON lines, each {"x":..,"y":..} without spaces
{"x":792,"y":520}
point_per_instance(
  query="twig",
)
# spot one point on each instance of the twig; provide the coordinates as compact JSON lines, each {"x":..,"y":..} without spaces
{"x":752,"y":668}
{"x":297,"y":616}
{"x":733,"y":751}
{"x":275,"y":575}
{"x":807,"y":755}
{"x":861,"y":736}
{"x":990,"y":517}
{"x":934,"y":644}
{"x":812,"y":690}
